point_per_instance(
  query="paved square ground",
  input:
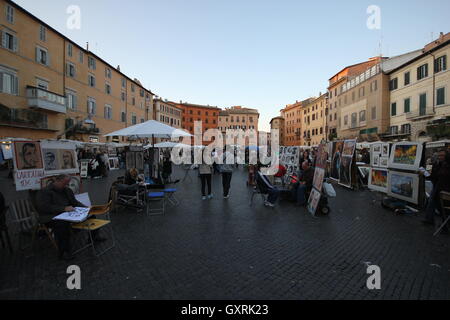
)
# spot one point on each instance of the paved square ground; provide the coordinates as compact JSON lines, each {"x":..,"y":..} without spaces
{"x":225,"y":249}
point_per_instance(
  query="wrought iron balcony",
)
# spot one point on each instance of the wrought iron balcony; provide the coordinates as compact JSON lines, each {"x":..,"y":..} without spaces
{"x":24,"y":118}
{"x":44,"y":99}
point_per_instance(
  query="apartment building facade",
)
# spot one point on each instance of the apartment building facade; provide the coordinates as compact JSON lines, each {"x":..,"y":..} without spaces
{"x":53,"y":88}
{"x":239,"y":118}
{"x":419,"y":93}
{"x":292,"y":124}
{"x":314,"y":120}
{"x":277,"y":123}
{"x":351,"y":96}
{"x":167,"y":112}
{"x":208,"y":115}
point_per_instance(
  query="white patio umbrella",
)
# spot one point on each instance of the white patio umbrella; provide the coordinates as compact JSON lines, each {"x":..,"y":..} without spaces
{"x":150,"y":129}
{"x":170,"y":144}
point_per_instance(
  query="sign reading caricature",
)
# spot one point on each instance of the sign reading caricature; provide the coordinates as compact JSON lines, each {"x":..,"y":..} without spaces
{"x":28,"y":165}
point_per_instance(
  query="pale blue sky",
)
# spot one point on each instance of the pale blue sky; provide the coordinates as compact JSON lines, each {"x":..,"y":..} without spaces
{"x":254,"y":53}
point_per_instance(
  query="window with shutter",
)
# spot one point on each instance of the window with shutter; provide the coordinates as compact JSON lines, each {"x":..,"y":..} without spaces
{"x":440,"y":96}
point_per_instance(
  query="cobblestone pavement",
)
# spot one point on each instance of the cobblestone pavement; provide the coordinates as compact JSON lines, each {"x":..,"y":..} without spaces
{"x":225,"y":249}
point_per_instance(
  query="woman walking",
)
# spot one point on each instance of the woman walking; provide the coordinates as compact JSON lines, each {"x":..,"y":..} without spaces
{"x":205,"y":171}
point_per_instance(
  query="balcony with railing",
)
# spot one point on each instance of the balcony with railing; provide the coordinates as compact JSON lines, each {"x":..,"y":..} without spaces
{"x":420,"y":113}
{"x":24,"y":118}
{"x":44,"y":99}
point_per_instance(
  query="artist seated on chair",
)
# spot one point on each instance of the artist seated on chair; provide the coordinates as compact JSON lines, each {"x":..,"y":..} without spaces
{"x":267,"y":187}
{"x":132,"y":177}
{"x":304,"y":185}
{"x":54,"y":200}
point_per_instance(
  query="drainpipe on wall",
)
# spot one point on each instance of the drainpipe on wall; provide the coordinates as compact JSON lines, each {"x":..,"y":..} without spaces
{"x":434,"y":81}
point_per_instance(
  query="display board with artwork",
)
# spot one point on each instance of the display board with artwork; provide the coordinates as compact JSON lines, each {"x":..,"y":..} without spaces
{"x":289,"y":158}
{"x":59,"y":157}
{"x":379,"y":154}
{"x":319,"y":175}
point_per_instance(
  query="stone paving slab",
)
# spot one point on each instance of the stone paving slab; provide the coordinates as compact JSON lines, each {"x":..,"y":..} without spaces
{"x":225,"y":249}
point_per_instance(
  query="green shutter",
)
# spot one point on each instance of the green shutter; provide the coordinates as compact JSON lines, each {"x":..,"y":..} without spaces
{"x":440,"y":96}
{"x":394,"y":109}
{"x":407,"y":105}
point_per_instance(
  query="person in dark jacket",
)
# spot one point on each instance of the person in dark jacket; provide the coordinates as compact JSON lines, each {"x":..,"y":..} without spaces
{"x":304,"y":186}
{"x":52,"y":201}
{"x":440,"y":177}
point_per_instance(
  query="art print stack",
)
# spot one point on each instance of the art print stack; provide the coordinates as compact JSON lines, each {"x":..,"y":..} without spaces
{"x":394,"y":171}
{"x":379,"y":159}
{"x":403,"y":176}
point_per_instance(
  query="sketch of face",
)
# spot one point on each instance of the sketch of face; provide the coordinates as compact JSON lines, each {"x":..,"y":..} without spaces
{"x":49,"y":160}
{"x":29,"y":155}
{"x":74,"y":184}
{"x":67,"y":160}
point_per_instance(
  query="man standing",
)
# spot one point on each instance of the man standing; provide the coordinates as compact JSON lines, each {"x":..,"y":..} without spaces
{"x":440,"y":177}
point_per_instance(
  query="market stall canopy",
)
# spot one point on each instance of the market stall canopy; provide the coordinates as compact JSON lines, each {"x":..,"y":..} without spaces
{"x":150,"y":129}
{"x":169,"y":144}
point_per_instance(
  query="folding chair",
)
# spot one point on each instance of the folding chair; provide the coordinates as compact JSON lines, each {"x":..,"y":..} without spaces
{"x":26,"y":217}
{"x":445,"y":198}
{"x":128,"y":195}
{"x":156,"y":197}
{"x":4,"y":229}
{"x":170,"y":193}
{"x":91,"y":225}
{"x":260,"y":188}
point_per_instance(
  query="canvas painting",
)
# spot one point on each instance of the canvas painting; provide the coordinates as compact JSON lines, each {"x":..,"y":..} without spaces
{"x":27,"y":155}
{"x":336,"y":159}
{"x":345,"y":172}
{"x":349,"y":147}
{"x":406,"y":155}
{"x":404,"y":186}
{"x":319,"y":174}
{"x":378,"y":180}
{"x":313,"y":201}
{"x":322,"y":156}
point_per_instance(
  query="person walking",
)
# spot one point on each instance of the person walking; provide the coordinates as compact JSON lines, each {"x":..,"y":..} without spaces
{"x":205,"y":171}
{"x":227,"y":172}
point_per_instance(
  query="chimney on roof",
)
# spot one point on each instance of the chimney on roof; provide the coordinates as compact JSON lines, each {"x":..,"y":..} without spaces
{"x":118,"y":67}
{"x":87,"y":46}
{"x":181,"y":101}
